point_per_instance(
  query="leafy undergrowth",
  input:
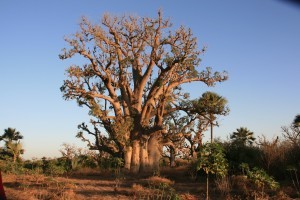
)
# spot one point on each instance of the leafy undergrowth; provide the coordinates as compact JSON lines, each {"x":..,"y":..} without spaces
{"x":108,"y":185}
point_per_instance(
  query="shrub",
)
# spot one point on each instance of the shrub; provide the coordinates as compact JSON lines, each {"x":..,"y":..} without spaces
{"x":212,"y":161}
{"x":53,"y":167}
{"x":260,"y":178}
{"x":237,"y":154}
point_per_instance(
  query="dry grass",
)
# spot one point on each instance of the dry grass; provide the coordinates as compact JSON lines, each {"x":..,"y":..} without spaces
{"x":25,"y":187}
{"x":90,"y":184}
{"x":157,"y":180}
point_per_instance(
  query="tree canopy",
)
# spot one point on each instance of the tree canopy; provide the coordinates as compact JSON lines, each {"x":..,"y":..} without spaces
{"x":242,"y":136}
{"x":13,"y":146}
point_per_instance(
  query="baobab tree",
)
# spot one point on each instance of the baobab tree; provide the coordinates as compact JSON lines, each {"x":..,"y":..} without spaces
{"x":133,"y":71}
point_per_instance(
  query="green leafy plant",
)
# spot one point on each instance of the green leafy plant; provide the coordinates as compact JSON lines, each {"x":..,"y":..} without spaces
{"x":212,"y":161}
{"x":260,"y":177}
{"x":52,"y":167}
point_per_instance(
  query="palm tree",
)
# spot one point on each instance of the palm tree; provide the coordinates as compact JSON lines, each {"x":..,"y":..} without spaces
{"x":210,"y":105}
{"x":11,"y":134}
{"x":15,"y":148}
{"x":242,"y":136}
{"x":296,"y":121}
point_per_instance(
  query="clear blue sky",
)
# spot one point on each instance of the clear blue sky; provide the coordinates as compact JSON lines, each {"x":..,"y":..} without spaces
{"x":257,"y":42}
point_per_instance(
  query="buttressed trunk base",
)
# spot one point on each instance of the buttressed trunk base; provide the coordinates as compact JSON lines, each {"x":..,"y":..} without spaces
{"x":143,"y":156}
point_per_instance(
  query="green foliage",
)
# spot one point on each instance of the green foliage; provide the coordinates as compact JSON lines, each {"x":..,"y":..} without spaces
{"x":52,"y":167}
{"x":155,"y":191}
{"x":13,"y":147}
{"x":242,"y":136}
{"x":34,"y":166}
{"x":87,"y":161}
{"x":211,"y":103}
{"x":296,"y":121}
{"x":10,"y":134}
{"x":163,"y":191}
{"x":111,"y":163}
{"x":121,"y":130}
{"x":10,"y":167}
{"x":260,"y":177}
{"x":74,"y":158}
{"x":237,"y":154}
{"x":212,"y":160}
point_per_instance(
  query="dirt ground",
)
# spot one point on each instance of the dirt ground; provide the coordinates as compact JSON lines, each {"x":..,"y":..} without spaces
{"x":104,"y":185}
{"x":108,"y":185}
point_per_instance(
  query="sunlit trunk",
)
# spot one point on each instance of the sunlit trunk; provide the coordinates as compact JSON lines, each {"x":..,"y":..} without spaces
{"x":144,"y":161}
{"x":154,"y":153}
{"x":135,"y":158}
{"x":127,"y":157}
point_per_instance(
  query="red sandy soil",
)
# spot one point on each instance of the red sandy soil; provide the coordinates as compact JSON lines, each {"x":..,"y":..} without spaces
{"x":95,"y":185}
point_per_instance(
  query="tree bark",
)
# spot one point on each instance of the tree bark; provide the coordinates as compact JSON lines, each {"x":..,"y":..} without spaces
{"x":154,"y":153}
{"x":127,"y":157}
{"x":211,"y":133}
{"x":135,"y":157}
{"x":194,"y":152}
{"x":207,"y":195}
{"x":144,"y":160}
{"x":172,"y":157}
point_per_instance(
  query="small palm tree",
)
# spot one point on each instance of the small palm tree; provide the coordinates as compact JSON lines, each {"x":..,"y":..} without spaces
{"x":11,"y":134}
{"x":296,"y":121}
{"x":243,"y":136}
{"x":15,"y":148}
{"x":210,"y":105}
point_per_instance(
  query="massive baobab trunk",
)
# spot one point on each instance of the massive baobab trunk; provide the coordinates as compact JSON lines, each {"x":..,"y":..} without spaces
{"x":135,"y":157}
{"x":144,"y":157}
{"x":146,"y":154}
{"x":127,"y":157}
{"x":154,"y":152}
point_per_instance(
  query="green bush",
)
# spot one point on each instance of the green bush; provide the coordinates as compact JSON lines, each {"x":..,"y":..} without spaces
{"x":10,"y":167}
{"x":237,"y":154}
{"x":260,"y":177}
{"x":111,"y":163}
{"x":53,"y":167}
